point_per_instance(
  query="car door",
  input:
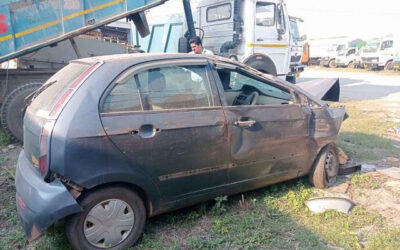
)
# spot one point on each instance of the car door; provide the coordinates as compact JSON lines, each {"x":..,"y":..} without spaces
{"x":269,"y":140}
{"x":170,"y":125}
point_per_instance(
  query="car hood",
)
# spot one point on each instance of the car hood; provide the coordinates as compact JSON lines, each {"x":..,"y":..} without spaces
{"x":326,"y":89}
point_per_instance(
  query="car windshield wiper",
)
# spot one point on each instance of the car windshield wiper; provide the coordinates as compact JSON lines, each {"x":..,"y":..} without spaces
{"x":29,"y":99}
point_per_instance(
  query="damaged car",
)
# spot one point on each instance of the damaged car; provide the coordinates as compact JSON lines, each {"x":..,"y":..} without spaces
{"x":111,"y":141}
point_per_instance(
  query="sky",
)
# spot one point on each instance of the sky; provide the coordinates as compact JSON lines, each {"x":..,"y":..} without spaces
{"x":363,"y":19}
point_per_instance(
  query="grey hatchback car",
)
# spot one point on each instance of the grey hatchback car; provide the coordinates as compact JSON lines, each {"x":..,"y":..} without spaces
{"x":111,"y":141}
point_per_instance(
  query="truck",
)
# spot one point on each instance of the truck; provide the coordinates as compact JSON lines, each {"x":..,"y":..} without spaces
{"x":39,"y":37}
{"x":322,"y":49}
{"x":349,"y":57}
{"x":380,"y":53}
{"x":256,"y":32}
{"x":296,"y":48}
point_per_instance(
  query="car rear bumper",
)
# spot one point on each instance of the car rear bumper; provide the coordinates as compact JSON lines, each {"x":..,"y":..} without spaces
{"x":40,"y":204}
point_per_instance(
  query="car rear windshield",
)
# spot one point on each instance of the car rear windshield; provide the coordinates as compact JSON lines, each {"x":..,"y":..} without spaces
{"x":58,"y":84}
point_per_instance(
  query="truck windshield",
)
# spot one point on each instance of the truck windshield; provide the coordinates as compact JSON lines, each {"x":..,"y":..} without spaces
{"x":294,"y":30}
{"x":372,"y":46}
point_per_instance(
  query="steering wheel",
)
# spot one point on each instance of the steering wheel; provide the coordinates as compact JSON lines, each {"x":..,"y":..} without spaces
{"x":253,"y":96}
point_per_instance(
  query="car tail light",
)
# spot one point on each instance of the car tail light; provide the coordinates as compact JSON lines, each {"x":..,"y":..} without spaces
{"x":43,"y":150}
{"x":74,"y":86}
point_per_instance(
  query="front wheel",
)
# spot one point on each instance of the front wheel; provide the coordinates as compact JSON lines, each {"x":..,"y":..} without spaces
{"x":332,"y":64}
{"x":112,"y":218}
{"x":325,"y":168}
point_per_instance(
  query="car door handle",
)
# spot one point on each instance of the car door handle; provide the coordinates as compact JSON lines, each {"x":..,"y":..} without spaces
{"x":246,"y":123}
{"x":259,"y":40}
{"x":146,"y":131}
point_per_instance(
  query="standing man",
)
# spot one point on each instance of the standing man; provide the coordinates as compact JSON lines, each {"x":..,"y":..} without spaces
{"x":197,"y":47}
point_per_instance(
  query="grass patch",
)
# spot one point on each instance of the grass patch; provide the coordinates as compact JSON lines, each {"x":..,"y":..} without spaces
{"x":4,"y":138}
{"x":362,"y":135}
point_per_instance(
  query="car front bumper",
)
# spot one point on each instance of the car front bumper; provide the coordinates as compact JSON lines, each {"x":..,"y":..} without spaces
{"x":40,"y":204}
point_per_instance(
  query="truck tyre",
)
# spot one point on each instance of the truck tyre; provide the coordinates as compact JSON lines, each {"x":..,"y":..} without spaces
{"x":13,"y":110}
{"x":352,"y":65}
{"x":325,"y":167}
{"x":291,"y":79}
{"x":112,"y":218}
{"x":332,"y":64}
{"x":389,"y":66}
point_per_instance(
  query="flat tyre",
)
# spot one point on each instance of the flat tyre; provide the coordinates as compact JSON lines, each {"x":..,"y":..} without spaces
{"x":325,"y":168}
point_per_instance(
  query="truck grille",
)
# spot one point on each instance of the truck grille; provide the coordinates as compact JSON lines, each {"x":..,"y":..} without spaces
{"x":295,"y":58}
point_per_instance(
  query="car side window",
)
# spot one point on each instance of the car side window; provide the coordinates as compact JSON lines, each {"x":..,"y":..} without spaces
{"x":124,"y":96}
{"x":239,"y":87}
{"x":175,"y":87}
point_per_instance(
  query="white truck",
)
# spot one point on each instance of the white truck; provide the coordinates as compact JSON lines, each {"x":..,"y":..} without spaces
{"x":348,"y":57}
{"x":323,"y":49}
{"x":380,"y":53}
{"x":256,"y":32}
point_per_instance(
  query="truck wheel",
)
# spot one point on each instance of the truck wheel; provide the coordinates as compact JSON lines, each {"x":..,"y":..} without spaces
{"x":112,"y":218}
{"x":325,"y":167}
{"x":389,"y":66}
{"x":13,"y":110}
{"x":332,"y":64}
{"x":352,"y":65}
{"x":291,"y":79}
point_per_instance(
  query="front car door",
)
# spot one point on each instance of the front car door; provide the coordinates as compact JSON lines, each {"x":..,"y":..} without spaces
{"x":268,"y":129}
{"x":166,"y":118}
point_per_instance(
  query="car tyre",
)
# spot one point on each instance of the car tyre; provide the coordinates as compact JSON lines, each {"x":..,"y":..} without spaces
{"x":325,"y":168}
{"x":105,"y":212}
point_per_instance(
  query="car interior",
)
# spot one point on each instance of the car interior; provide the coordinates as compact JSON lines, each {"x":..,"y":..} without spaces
{"x":241,"y":89}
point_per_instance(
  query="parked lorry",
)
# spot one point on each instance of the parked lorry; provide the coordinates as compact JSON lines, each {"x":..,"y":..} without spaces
{"x":322,"y":49}
{"x":348,"y":57}
{"x":27,"y":28}
{"x":296,"y":48}
{"x":380,"y":53}
{"x":258,"y":33}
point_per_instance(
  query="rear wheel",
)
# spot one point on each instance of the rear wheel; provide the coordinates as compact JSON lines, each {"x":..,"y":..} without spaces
{"x":325,"y":168}
{"x":13,"y":110}
{"x":332,"y":64}
{"x":389,"y":66}
{"x":352,"y":65}
{"x":112,"y":218}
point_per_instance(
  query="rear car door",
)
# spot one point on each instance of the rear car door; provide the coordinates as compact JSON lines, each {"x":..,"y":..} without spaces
{"x":166,"y":118}
{"x":269,"y":138}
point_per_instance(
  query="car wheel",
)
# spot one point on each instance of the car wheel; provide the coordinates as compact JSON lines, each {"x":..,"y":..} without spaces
{"x":352,"y":65}
{"x":112,"y":218}
{"x":325,"y":168}
{"x":332,"y":64}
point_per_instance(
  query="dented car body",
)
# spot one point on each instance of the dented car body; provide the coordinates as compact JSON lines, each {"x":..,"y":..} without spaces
{"x":174,"y":129}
